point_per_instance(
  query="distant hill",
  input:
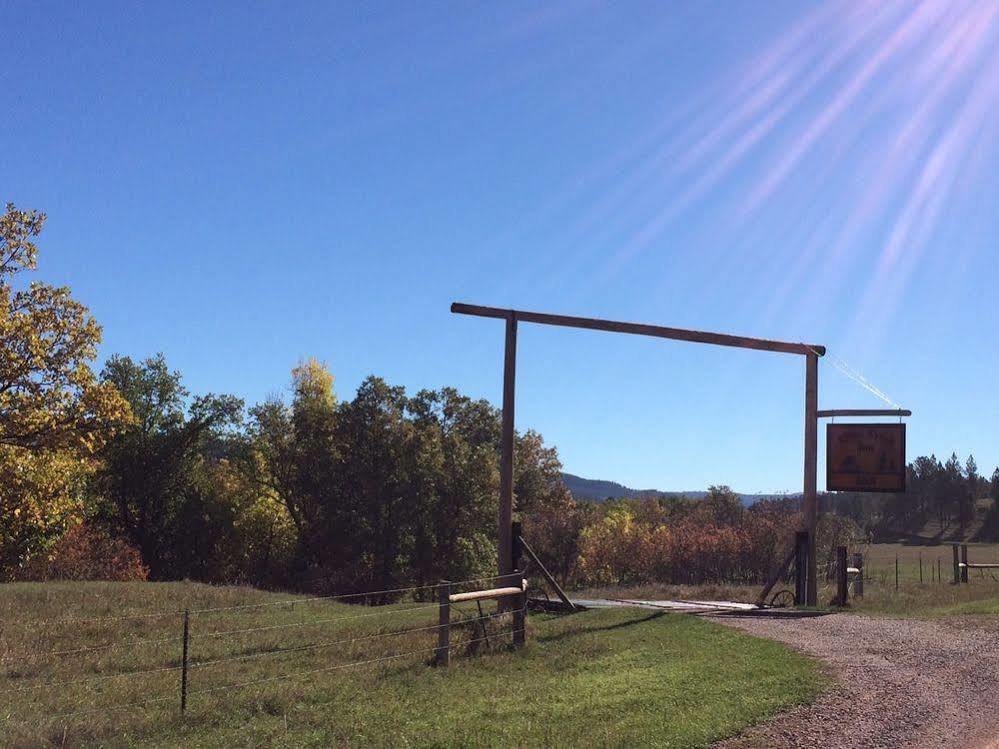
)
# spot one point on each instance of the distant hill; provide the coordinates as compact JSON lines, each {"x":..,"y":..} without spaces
{"x":597,"y":490}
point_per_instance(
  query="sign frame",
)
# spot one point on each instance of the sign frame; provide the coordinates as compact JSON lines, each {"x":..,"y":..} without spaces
{"x":901,"y":475}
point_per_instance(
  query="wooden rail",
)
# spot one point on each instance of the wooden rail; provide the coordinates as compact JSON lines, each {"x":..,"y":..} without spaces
{"x":487,"y":595}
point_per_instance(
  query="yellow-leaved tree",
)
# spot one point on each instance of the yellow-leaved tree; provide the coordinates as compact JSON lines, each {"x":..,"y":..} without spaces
{"x":54,"y":414}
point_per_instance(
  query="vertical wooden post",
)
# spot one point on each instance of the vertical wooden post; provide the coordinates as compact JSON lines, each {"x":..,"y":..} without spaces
{"x":896,"y":572}
{"x":183,"y":667}
{"x":841,"y":576}
{"x":810,"y":496}
{"x":506,"y":448}
{"x":957,"y":565}
{"x":964,"y":559}
{"x":858,"y":581}
{"x":920,"y":569}
{"x":800,"y":567}
{"x":443,"y":655}
{"x":519,"y":611}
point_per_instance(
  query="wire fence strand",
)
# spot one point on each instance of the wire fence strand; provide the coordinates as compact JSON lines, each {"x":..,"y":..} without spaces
{"x":311,"y":672}
{"x":331,"y":643}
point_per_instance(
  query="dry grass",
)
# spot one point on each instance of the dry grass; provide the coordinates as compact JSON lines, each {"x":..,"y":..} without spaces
{"x":615,"y":678}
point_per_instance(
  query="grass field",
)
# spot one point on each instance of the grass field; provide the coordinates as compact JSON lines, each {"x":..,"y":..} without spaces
{"x":605,"y":678}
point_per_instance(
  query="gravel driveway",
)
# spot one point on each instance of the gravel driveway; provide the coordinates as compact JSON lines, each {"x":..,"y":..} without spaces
{"x":900,"y":683}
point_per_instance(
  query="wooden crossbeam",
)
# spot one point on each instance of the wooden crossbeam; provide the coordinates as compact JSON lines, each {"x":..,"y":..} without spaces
{"x":832,"y":412}
{"x":656,"y":331}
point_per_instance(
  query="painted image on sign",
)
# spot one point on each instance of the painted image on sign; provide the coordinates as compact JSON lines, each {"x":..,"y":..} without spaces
{"x":865,"y":457}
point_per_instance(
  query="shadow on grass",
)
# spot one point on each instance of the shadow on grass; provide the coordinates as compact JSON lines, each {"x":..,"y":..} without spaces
{"x":598,"y":628}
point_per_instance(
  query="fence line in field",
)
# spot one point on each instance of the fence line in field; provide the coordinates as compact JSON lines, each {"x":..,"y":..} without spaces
{"x":189,"y":665}
{"x":331,"y":643}
{"x":234,"y":607}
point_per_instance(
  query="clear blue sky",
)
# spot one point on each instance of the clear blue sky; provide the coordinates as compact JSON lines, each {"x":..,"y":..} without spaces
{"x":243,"y":185}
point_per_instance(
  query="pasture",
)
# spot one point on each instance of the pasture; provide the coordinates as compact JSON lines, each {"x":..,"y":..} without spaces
{"x":85,"y":664}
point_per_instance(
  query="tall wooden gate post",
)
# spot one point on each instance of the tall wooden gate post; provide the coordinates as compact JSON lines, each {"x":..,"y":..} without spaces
{"x":964,"y":560}
{"x":810,"y":495}
{"x":957,"y":565}
{"x":505,"y":546}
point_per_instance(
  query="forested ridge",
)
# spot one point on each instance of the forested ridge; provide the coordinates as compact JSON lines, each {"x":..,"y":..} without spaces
{"x":121,"y":472}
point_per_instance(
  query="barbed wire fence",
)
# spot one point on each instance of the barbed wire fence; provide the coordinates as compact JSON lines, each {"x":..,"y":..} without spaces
{"x":209,"y":639}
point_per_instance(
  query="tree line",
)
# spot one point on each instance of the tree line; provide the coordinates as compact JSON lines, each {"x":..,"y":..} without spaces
{"x":124,"y":473}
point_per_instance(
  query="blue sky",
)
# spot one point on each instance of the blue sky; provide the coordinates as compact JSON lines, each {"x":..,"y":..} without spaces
{"x":244,"y":185}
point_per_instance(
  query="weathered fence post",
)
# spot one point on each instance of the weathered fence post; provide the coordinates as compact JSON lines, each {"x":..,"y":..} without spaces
{"x":858,"y":581}
{"x":920,"y":569}
{"x":800,"y":567}
{"x":964,"y":560}
{"x":842,"y":576}
{"x":520,"y":612}
{"x":183,"y":666}
{"x":957,"y":564}
{"x":443,"y":655}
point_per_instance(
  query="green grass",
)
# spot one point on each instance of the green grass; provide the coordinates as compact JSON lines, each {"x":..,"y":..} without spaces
{"x":599,"y":678}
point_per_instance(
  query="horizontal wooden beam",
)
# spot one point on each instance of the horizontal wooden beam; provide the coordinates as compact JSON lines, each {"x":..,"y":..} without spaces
{"x":864,"y":412}
{"x":656,"y":331}
{"x":485,"y":595}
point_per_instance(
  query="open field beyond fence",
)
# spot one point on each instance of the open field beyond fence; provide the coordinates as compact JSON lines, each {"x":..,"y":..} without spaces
{"x":276,"y":669}
{"x":929,"y":597}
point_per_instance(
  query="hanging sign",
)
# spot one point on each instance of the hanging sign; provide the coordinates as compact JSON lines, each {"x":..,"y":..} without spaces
{"x":865,"y":457}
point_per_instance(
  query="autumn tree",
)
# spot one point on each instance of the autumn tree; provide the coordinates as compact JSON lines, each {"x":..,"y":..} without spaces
{"x":293,"y":457}
{"x":54,"y":413}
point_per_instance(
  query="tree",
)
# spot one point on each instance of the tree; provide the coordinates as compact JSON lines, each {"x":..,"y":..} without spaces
{"x":54,"y":414}
{"x":294,"y":457}
{"x":157,"y":484}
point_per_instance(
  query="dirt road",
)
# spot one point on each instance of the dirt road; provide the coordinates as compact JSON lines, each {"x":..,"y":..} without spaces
{"x":900,"y":683}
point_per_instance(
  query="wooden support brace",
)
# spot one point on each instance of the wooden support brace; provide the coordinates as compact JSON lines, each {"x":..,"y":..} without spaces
{"x":526,"y":548}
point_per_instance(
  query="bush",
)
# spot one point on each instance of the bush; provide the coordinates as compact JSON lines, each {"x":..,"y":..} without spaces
{"x":87,"y":552}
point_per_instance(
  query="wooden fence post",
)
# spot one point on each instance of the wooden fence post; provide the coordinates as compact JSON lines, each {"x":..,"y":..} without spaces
{"x":957,"y":565}
{"x":964,"y":559}
{"x":443,"y":654}
{"x":841,"y":576}
{"x":920,"y":569}
{"x":520,"y":612}
{"x":183,"y":667}
{"x":858,"y":581}
{"x":800,"y":568}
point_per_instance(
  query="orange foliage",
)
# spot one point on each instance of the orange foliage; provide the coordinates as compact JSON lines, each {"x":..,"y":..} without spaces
{"x":86,"y":552}
{"x":639,"y":543}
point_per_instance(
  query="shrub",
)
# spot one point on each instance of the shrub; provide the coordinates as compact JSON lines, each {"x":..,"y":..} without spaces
{"x":87,"y":552}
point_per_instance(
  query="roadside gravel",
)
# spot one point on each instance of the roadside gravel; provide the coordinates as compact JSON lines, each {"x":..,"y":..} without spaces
{"x":900,"y":683}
